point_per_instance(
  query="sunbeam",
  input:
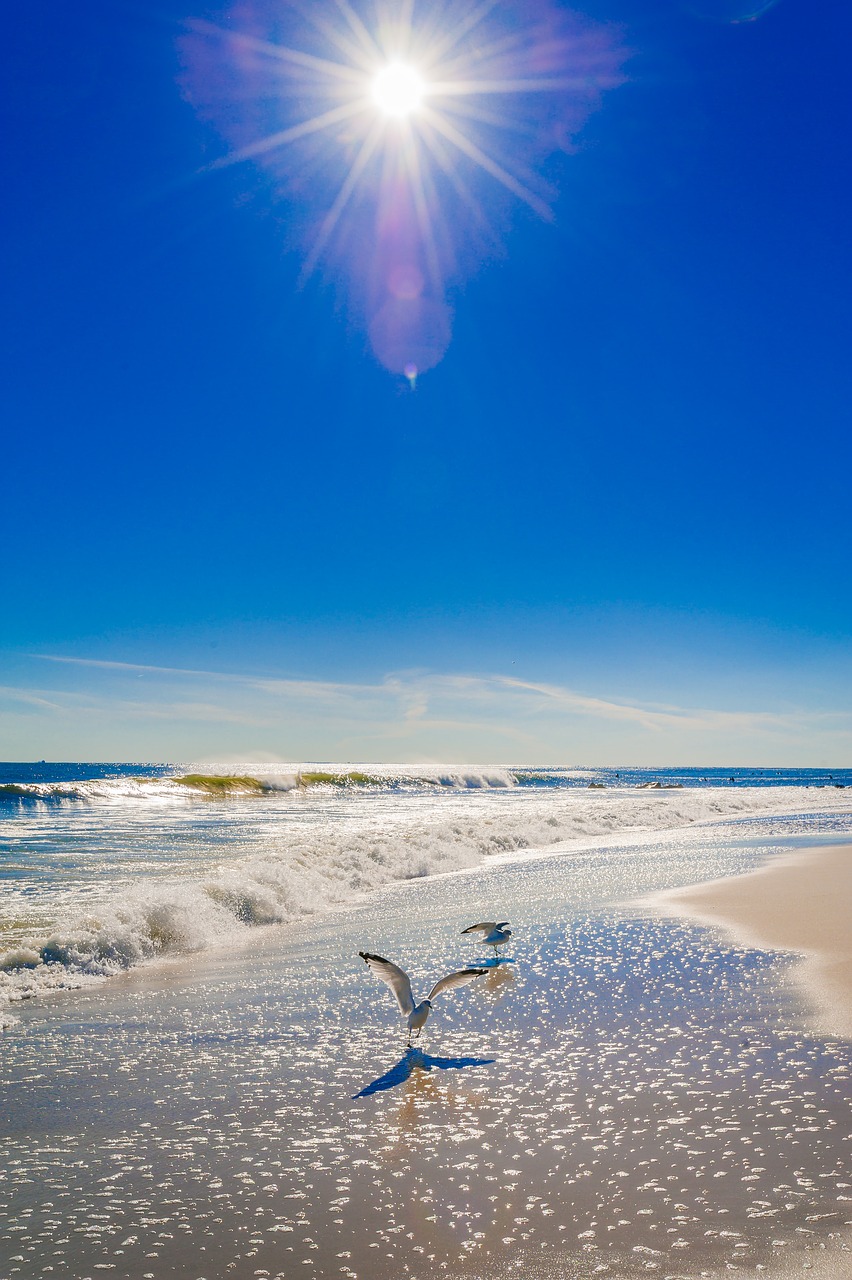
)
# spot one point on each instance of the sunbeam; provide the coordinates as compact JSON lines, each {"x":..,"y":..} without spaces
{"x":485,"y":162}
{"x":368,"y":146}
{"x":315,"y":124}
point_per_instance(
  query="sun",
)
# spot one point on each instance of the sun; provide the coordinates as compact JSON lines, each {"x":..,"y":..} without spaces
{"x":398,"y":89}
{"x":392,"y":121}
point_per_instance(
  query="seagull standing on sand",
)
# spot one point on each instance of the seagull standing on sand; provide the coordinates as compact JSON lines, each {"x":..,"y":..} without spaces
{"x":400,"y":984}
{"x":495,"y":933}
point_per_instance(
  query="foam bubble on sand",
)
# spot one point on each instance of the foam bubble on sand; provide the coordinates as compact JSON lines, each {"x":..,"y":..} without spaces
{"x":141,"y":925}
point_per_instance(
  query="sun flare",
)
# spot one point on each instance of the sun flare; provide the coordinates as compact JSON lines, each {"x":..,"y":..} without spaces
{"x":398,"y":89}
{"x":399,"y":126}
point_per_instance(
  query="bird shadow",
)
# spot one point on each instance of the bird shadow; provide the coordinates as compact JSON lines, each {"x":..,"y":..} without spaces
{"x":416,"y":1060}
{"x":493,"y":962}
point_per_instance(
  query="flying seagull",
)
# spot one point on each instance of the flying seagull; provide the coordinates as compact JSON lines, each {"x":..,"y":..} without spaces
{"x":400,"y":984}
{"x":495,"y":933}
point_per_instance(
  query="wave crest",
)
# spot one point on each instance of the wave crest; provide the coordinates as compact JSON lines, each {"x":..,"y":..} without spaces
{"x":234,"y":785}
{"x":309,"y":869}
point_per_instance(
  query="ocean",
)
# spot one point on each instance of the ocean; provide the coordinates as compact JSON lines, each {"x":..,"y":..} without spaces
{"x":202,"y":1079}
{"x":105,"y":867}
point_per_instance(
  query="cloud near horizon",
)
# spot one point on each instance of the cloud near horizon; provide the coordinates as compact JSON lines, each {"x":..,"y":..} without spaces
{"x":123,"y":710}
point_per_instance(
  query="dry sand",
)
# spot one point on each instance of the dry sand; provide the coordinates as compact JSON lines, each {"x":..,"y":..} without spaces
{"x":801,"y":903}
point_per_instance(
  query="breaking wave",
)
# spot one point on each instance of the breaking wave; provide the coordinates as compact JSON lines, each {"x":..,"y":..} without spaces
{"x":304,"y":869}
{"x":173,"y":785}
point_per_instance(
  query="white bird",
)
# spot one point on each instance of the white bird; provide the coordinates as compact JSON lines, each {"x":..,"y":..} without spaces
{"x":495,"y":933}
{"x":400,"y":984}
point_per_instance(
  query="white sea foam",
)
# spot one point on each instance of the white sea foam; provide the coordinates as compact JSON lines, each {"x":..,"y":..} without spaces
{"x":318,"y":852}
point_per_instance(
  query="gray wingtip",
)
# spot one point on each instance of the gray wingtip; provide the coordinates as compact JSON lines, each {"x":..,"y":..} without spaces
{"x":367,"y":956}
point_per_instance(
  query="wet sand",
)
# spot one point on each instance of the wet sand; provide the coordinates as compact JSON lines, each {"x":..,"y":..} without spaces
{"x":801,"y":903}
{"x":630,"y":1096}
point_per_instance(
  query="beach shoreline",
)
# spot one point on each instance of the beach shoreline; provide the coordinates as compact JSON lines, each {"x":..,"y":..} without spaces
{"x":799,"y":903}
{"x":254,"y":861}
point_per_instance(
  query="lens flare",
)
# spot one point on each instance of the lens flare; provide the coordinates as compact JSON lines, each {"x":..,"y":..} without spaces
{"x":401,"y":135}
{"x":729,"y":11}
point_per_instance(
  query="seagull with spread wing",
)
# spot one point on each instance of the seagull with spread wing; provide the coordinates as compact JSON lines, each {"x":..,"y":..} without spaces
{"x":494,"y":932}
{"x":400,"y":984}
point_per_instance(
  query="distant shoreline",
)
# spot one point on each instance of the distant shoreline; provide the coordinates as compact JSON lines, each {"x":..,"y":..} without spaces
{"x":800,"y":903}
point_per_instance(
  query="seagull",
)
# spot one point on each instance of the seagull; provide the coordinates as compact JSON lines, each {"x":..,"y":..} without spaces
{"x":400,"y":984}
{"x":493,"y":932}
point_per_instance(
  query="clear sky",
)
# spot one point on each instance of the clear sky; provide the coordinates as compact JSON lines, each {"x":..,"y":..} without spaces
{"x":611,"y":525}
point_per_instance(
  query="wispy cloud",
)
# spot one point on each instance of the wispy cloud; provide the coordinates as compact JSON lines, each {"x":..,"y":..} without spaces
{"x":653,"y":716}
{"x":109,"y":665}
{"x":30,"y":696}
{"x":402,"y":703}
{"x":297,"y":688}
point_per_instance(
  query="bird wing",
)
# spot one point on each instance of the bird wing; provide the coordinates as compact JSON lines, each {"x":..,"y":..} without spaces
{"x":397,"y":979}
{"x":460,"y":979}
{"x":485,"y":927}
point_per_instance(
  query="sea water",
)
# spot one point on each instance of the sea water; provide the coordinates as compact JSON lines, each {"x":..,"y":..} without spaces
{"x":104,"y":867}
{"x":622,"y":1094}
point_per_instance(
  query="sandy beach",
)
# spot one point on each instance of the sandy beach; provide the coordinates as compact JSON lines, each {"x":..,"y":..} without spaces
{"x":632,"y":1094}
{"x":800,"y":903}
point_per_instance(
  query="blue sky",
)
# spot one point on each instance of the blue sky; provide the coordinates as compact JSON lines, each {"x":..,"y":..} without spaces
{"x":611,"y":525}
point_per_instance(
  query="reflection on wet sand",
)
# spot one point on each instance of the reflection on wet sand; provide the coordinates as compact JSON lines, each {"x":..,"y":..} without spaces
{"x":499,"y":983}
